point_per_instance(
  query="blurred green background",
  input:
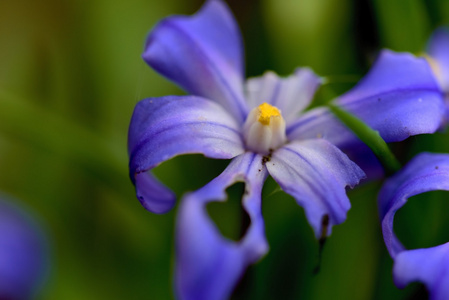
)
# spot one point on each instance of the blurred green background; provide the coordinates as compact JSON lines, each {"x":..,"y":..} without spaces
{"x":70,"y":76}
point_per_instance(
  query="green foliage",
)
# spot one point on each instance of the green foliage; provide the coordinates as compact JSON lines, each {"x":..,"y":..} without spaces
{"x":70,"y":76}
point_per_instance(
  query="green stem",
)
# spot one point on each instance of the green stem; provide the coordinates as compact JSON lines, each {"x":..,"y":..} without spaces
{"x":370,"y":137}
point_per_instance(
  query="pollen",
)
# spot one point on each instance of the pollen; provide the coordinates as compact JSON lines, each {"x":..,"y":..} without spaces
{"x":266,"y":112}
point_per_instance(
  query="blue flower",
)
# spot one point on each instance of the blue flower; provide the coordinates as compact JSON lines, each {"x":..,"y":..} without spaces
{"x":258,"y":125}
{"x":23,"y":254}
{"x":438,"y":57}
{"x":426,"y":172}
{"x":438,"y":50}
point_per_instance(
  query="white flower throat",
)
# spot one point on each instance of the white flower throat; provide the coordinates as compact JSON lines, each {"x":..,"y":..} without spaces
{"x":264,"y":129}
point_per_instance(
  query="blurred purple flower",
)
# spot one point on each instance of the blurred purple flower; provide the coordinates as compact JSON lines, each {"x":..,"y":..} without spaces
{"x":257,"y":124}
{"x":426,"y":172}
{"x":23,"y":254}
{"x":438,"y":57}
{"x":438,"y":50}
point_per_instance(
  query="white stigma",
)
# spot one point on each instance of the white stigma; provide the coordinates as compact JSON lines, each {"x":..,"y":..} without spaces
{"x":264,"y":129}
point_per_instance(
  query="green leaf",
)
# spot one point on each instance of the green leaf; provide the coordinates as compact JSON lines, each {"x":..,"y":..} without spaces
{"x":370,"y":137}
{"x":42,"y":128}
{"x":403,"y":24}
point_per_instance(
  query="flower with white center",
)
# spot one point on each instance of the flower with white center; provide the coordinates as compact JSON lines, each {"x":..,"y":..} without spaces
{"x":258,"y":125}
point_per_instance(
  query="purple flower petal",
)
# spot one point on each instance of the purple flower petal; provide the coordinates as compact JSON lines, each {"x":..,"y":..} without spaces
{"x":203,"y":54}
{"x":321,"y":123}
{"x":399,"y":97}
{"x":23,"y":254}
{"x":316,"y":173}
{"x":426,"y":172}
{"x":438,"y":49}
{"x":162,"y":128}
{"x":291,"y":94}
{"x":429,"y":266}
{"x":209,"y":265}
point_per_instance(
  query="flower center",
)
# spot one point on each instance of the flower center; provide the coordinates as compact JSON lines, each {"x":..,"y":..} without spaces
{"x":264,"y":129}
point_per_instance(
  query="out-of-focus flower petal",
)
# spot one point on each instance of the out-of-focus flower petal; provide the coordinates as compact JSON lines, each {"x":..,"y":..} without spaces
{"x":162,"y":128}
{"x":202,"y":53}
{"x":23,"y":254}
{"x":399,"y":97}
{"x":209,"y":265}
{"x":429,"y":266}
{"x":316,"y":173}
{"x":291,"y":94}
{"x":426,"y":172}
{"x":438,"y":49}
{"x":152,"y":194}
{"x":321,"y":123}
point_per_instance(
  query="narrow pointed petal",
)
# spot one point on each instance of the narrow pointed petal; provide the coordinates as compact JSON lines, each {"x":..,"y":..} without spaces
{"x":316,"y":173}
{"x":426,"y":172}
{"x":291,"y":94}
{"x":438,"y":50}
{"x":399,"y":97}
{"x":162,"y":128}
{"x":208,"y":265}
{"x":203,"y":54}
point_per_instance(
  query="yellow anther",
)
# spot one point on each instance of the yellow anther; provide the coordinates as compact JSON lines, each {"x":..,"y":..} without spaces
{"x":266,"y":111}
{"x":264,"y":129}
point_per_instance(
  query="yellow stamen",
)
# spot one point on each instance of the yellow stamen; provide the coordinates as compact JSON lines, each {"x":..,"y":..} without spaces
{"x":266,"y":111}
